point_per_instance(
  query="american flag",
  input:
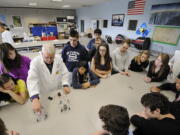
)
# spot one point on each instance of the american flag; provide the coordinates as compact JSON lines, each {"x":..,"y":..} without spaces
{"x":136,"y":7}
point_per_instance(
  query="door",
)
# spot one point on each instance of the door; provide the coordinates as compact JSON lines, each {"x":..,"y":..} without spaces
{"x":82,"y":25}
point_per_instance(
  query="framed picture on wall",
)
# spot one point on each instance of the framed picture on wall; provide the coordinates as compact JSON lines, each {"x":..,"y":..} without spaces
{"x":94,"y":24}
{"x":132,"y":25}
{"x":105,"y":23}
{"x":17,"y":21}
{"x":118,"y":19}
{"x":2,"y":19}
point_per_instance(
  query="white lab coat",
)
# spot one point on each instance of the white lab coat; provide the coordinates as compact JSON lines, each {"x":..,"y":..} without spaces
{"x":174,"y":63}
{"x":7,"y":37}
{"x":40,"y":80}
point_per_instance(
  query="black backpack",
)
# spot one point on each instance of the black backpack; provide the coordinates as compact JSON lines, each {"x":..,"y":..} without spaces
{"x":109,"y":39}
{"x":89,"y":35}
{"x":119,"y":39}
{"x":144,"y":44}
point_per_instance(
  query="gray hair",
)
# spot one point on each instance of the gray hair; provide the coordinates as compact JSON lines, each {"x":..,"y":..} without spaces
{"x":49,"y":48}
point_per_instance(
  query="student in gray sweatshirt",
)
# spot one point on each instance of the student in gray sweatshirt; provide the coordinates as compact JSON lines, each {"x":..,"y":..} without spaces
{"x":120,"y":59}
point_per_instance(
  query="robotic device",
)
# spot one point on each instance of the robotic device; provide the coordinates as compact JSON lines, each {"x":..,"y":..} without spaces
{"x":41,"y":115}
{"x":64,"y":103}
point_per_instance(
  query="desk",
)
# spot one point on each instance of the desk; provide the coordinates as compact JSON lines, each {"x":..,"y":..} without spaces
{"x":38,"y":44}
{"x":18,"y":39}
{"x":82,"y":119}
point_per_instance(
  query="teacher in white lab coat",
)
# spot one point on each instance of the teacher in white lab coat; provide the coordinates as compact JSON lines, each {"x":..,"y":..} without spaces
{"x":6,"y":35}
{"x":47,"y":72}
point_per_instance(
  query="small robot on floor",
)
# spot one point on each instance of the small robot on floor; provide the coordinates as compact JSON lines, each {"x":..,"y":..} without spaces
{"x":64,"y":103}
{"x":41,"y":115}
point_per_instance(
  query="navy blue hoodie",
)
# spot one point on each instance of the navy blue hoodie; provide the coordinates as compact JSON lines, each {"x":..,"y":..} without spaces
{"x":90,"y":76}
{"x":73,"y":55}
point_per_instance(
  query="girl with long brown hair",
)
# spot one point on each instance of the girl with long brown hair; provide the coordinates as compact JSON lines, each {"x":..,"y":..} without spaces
{"x":13,"y":63}
{"x":158,"y":69}
{"x":101,"y":64}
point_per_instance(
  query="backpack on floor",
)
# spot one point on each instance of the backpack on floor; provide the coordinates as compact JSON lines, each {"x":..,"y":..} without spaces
{"x":142,"y":43}
{"x":119,"y":39}
{"x":89,"y":35}
{"x":108,"y":39}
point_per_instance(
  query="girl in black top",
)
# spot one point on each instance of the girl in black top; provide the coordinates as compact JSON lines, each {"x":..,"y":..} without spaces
{"x":156,"y":119}
{"x":158,"y":69}
{"x":140,"y":62}
{"x":92,"y":51}
{"x":101,"y":63}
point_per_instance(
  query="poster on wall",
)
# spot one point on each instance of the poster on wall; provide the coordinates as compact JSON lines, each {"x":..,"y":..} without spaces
{"x":105,"y":23}
{"x":17,"y":21}
{"x":132,"y":25}
{"x":143,"y":30}
{"x":161,"y":35}
{"x":117,"y":19}
{"x":101,"y":23}
{"x":165,"y":14}
{"x":2,"y":19}
{"x":93,"y":24}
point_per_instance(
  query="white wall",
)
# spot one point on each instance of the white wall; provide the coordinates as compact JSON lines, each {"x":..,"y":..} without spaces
{"x":105,"y":11}
{"x":30,"y":15}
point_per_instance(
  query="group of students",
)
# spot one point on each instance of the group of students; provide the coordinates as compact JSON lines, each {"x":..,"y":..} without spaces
{"x":103,"y":65}
{"x":159,"y":117}
{"x":14,"y":71}
{"x":21,"y":77}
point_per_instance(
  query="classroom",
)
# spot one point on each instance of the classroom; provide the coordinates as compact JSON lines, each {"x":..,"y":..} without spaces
{"x":90,"y":67}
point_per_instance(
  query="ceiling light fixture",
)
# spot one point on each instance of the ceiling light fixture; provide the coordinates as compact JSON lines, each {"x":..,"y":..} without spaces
{"x":32,"y":4}
{"x":66,"y":6}
{"x":57,"y":0}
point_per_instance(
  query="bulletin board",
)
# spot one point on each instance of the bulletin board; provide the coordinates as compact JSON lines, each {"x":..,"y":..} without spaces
{"x":166,"y":35}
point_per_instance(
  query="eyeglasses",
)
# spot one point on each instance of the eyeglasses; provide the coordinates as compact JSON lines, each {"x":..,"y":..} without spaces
{"x":102,"y":50}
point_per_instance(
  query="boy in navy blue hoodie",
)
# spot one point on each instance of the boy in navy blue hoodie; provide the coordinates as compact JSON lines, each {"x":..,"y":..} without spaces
{"x":97,"y":35}
{"x":83,"y":77}
{"x":74,"y":52}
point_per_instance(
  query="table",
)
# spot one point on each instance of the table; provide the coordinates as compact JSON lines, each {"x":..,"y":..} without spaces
{"x":37,"y":44}
{"x":18,"y":39}
{"x":82,"y":119}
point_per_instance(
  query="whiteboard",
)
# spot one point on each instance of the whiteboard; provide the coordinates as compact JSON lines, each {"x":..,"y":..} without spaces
{"x":166,"y":35}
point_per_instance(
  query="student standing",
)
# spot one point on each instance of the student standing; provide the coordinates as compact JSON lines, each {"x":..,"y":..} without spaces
{"x":6,"y":35}
{"x":74,"y":52}
{"x":158,"y":69}
{"x":97,"y":36}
